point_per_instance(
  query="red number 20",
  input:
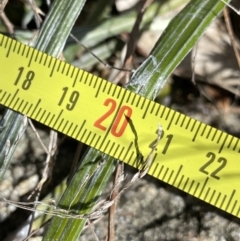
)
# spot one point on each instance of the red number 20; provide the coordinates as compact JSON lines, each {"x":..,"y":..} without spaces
{"x":118,"y":126}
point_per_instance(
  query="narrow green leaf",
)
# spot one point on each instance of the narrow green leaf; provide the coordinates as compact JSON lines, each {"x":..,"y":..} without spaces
{"x":177,"y":40}
{"x":12,"y":127}
{"x":81,"y":199}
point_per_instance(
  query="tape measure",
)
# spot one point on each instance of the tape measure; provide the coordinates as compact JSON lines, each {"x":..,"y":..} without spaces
{"x":191,"y":155}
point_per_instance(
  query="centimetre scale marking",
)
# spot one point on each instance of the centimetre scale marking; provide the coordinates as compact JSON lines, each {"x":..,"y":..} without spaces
{"x":123,"y":101}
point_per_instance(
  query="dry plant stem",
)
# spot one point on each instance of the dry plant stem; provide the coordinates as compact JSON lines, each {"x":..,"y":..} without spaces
{"x":147,"y":163}
{"x":36,"y":230}
{"x":2,"y":5}
{"x":93,"y":222}
{"x":75,"y":162}
{"x":37,"y":135}
{"x":92,"y":229}
{"x":112,"y":210}
{"x":8,"y":24}
{"x":131,"y":45}
{"x":46,"y":172}
{"x":57,"y":212}
{"x":230,"y":6}
{"x":132,"y":42}
{"x":50,"y":154}
{"x":95,"y":56}
{"x":36,"y":12}
{"x":193,"y":57}
{"x":231,"y":35}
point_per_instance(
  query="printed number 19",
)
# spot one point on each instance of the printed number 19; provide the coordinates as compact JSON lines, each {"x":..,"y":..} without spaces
{"x":119,"y":125}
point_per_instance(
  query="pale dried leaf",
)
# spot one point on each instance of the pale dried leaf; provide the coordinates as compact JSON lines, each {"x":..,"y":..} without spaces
{"x":215,"y":62}
{"x":123,"y":5}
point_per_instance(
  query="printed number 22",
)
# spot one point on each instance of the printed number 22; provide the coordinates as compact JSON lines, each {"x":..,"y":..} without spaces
{"x":221,"y":160}
{"x":119,"y":125}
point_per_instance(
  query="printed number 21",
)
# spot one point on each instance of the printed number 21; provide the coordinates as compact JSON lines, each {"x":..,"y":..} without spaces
{"x":119,"y":125}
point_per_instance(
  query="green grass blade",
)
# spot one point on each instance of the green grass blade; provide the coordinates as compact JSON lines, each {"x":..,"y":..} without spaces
{"x":58,"y":25}
{"x":12,"y":127}
{"x":82,"y":199}
{"x":178,"y":39}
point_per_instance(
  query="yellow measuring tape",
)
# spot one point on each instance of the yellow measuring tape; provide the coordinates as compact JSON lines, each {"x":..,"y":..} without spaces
{"x":191,"y":156}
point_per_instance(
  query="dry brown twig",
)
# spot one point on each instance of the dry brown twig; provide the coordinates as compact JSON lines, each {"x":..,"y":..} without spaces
{"x":37,"y":135}
{"x":112,"y":209}
{"x":50,"y":153}
{"x":4,"y":18}
{"x":47,"y":171}
{"x":193,"y":62}
{"x":131,"y":44}
{"x":92,"y":229}
{"x":8,"y":24}
{"x":95,"y":56}
{"x":36,"y":12}
{"x":231,"y":35}
{"x":3,"y":3}
{"x":232,"y":39}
